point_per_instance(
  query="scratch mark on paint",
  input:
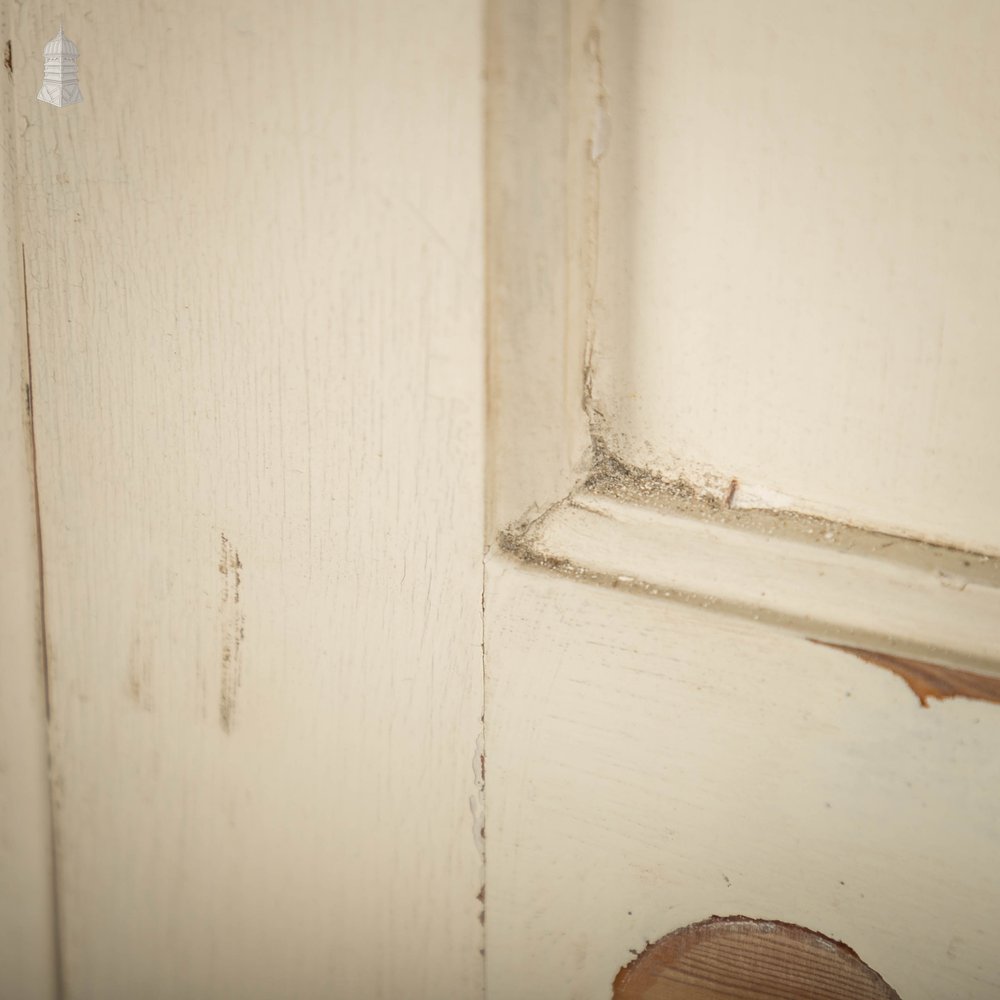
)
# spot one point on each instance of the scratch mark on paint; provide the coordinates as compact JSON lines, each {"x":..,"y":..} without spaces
{"x":140,"y":674}
{"x":479,"y":772}
{"x":43,"y":634}
{"x":952,"y":580}
{"x":928,"y":680}
{"x":232,"y":633}
{"x":8,"y":59}
{"x":40,"y":549}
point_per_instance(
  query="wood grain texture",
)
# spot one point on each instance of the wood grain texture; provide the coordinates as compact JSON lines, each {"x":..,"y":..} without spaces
{"x":650,"y":762}
{"x":931,"y":680}
{"x":727,"y":957}
{"x":27,"y":940}
{"x":254,"y":275}
{"x":798,"y":247}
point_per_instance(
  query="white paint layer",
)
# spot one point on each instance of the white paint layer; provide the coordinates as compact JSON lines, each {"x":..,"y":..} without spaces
{"x":255,"y":282}
{"x":798,"y":248}
{"x":651,"y":764}
{"x":817,"y":578}
{"x":27,"y":952}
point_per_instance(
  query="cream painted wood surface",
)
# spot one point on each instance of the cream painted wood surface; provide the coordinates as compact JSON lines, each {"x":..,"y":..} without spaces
{"x":536,"y":250}
{"x":651,"y":764}
{"x":779,"y":242}
{"x":834,"y":583}
{"x":254,"y":264}
{"x":255,"y":289}
{"x":799,"y":237}
{"x":27,"y":938}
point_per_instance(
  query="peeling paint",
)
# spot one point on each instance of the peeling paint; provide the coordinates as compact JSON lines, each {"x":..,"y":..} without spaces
{"x":928,"y":680}
{"x":478,"y":824}
{"x":477,"y":801}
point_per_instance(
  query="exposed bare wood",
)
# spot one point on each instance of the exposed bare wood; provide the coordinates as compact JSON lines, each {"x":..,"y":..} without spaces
{"x":727,"y":957}
{"x":930,"y":680}
{"x":254,"y":272}
{"x":798,"y":254}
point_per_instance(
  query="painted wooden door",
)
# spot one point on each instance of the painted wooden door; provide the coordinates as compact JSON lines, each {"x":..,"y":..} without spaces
{"x":682,"y":310}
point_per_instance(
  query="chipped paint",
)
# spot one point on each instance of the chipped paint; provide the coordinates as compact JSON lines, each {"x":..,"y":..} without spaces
{"x":928,"y":680}
{"x":477,"y":801}
{"x":600,"y":135}
{"x":140,"y":675}
{"x":232,"y":625}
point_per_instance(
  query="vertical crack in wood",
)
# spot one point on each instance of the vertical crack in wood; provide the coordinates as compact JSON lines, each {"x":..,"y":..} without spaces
{"x":232,"y":622}
{"x":43,"y":631}
{"x":30,"y":396}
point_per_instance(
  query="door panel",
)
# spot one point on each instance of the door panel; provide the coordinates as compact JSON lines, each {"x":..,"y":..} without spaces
{"x":27,"y":939}
{"x":728,"y":673}
{"x":255,"y":298}
{"x":797,"y":244}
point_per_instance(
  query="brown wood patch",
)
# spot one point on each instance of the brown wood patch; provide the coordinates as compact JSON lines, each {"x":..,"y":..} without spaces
{"x":929,"y":680}
{"x":740,"y":958}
